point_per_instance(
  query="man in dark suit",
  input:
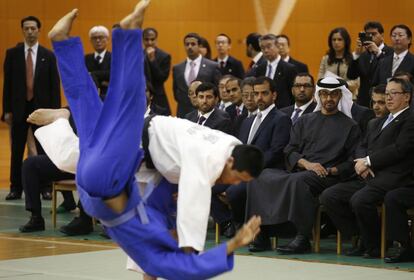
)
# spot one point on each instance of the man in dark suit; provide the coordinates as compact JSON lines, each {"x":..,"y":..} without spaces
{"x":254,"y":52}
{"x":366,"y":58}
{"x":283,"y":43}
{"x":236,"y":109}
{"x":302,"y":90}
{"x":31,"y":81}
{"x":228,"y":65}
{"x":384,"y":162}
{"x":281,"y":72}
{"x":207,"y":113}
{"x":99,"y":62}
{"x":401,"y":60}
{"x":194,"y":67}
{"x":269,"y":130}
{"x":159,"y":63}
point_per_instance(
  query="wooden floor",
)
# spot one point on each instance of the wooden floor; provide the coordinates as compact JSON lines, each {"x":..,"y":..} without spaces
{"x":4,"y":157}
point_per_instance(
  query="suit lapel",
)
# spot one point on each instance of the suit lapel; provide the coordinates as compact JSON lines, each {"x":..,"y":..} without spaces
{"x":405,"y":63}
{"x":264,"y":124}
{"x":202,"y":70}
{"x":40,"y":59}
{"x":392,"y":124}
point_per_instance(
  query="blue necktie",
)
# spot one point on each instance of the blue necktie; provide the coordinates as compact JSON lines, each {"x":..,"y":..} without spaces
{"x":295,"y":116}
{"x":387,"y":122}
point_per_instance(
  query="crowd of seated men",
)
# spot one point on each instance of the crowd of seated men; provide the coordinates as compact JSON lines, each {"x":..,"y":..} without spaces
{"x":345,"y":141}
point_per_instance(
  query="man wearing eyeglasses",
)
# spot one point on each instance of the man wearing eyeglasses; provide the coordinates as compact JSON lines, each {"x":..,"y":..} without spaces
{"x":401,"y":60}
{"x":98,"y":63}
{"x":317,"y":157}
{"x":302,"y":90}
{"x":385,"y":160}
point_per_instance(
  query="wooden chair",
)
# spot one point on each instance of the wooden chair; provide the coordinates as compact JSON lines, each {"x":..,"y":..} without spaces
{"x":317,"y":232}
{"x":64,"y":185}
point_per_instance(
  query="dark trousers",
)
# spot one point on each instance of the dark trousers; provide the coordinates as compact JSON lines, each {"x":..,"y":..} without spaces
{"x":396,"y":204}
{"x":236,"y":195}
{"x":19,"y":129}
{"x":219,"y":210}
{"x":336,"y":201}
{"x":37,"y":171}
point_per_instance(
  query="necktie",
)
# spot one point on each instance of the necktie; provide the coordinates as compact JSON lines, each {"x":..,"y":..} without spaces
{"x":98,"y":59}
{"x":255,"y":127}
{"x":191,"y":75}
{"x":395,"y":64}
{"x":29,"y":75}
{"x":269,"y":71}
{"x":222,"y":64}
{"x":201,"y":119}
{"x":295,"y":116}
{"x":387,"y":122}
{"x":222,"y":107}
{"x":237,"y":111}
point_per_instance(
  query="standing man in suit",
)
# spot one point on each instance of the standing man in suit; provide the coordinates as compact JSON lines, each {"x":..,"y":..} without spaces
{"x":302,"y":90}
{"x":194,"y":67}
{"x":254,"y":52}
{"x":207,"y":113}
{"x":99,"y":62}
{"x":159,"y":64}
{"x":283,"y":43}
{"x":227,"y":63}
{"x":366,"y":58}
{"x":31,"y":81}
{"x":401,"y":60}
{"x":384,"y":162}
{"x":281,"y":72}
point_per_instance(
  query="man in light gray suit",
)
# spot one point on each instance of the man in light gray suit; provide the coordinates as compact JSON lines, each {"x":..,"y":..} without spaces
{"x":195,"y":67}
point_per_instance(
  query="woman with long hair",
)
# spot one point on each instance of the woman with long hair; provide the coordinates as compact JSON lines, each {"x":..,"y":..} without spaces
{"x":338,"y":58}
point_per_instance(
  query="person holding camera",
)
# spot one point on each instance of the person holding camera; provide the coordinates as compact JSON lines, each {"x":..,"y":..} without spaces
{"x":370,"y":49}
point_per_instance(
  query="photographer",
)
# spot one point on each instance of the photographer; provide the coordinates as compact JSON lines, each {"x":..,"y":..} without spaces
{"x":370,"y":49}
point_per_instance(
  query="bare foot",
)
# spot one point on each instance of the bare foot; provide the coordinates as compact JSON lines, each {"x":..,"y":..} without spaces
{"x":135,"y":19}
{"x":61,"y":30}
{"x":245,"y":235}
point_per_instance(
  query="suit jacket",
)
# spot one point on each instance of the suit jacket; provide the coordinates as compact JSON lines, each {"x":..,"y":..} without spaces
{"x":271,"y":137}
{"x":362,"y":115}
{"x":251,"y":71}
{"x":233,"y":67}
{"x":100,"y":72}
{"x":364,"y":68}
{"x":218,"y":119}
{"x":384,"y":69}
{"x":158,"y":70}
{"x":284,"y":75}
{"x":289,"y":110}
{"x":391,"y":151}
{"x":237,"y":122}
{"x":300,"y":67}
{"x":46,"y":84}
{"x":208,"y":72}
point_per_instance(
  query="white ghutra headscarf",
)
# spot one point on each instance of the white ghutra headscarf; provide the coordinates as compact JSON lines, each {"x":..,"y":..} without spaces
{"x":330,"y":83}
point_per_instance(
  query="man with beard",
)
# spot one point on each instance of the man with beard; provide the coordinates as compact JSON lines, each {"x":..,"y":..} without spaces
{"x":318,"y":156}
{"x":302,"y":90}
{"x":378,"y":101}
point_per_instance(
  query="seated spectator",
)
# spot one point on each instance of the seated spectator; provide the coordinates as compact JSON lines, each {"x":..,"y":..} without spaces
{"x":233,"y":88}
{"x":317,"y":157}
{"x":225,"y":99}
{"x":191,"y":92}
{"x":207,"y":114}
{"x":302,"y":90}
{"x":385,"y":160}
{"x":378,"y":101}
{"x":397,"y":202}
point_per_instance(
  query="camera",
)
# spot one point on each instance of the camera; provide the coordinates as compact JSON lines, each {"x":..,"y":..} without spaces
{"x":365,"y":37}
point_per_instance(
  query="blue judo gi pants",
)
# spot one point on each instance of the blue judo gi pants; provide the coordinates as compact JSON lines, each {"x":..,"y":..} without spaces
{"x":109,"y":142}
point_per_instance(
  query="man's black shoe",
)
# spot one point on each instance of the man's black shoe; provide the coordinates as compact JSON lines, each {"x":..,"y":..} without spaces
{"x":77,"y":226}
{"x":14,"y":196}
{"x":260,"y":244}
{"x":357,"y":251}
{"x":403,"y":255}
{"x":228,"y":229}
{"x":373,"y":253}
{"x":34,"y":224}
{"x":299,"y":245}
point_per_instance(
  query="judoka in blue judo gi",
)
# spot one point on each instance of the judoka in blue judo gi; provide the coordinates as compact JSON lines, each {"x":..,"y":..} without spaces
{"x":110,"y":153}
